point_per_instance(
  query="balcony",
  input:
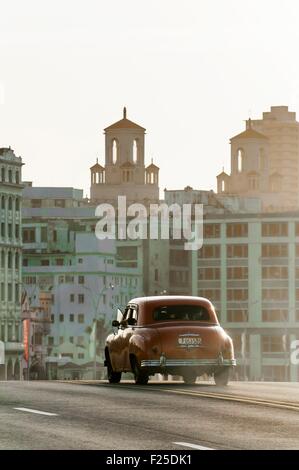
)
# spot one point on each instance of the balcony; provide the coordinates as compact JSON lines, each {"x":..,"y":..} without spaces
{"x":14,"y":347}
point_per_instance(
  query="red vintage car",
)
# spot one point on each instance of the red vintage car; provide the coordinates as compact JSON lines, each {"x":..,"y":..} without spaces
{"x":177,"y":335}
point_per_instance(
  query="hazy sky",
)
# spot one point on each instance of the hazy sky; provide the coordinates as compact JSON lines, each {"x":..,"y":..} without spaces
{"x":189,"y":71}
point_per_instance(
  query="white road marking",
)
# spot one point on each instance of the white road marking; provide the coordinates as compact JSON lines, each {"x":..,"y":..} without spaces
{"x":193,"y":446}
{"x":29,"y":410}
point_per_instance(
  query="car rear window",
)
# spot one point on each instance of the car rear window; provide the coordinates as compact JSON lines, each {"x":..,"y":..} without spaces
{"x":181,"y":313}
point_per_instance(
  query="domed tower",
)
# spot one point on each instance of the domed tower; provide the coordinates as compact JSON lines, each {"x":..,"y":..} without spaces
{"x":249,"y":165}
{"x":124,"y":173}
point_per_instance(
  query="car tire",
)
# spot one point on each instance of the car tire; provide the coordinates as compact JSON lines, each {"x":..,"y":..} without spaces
{"x":189,"y":378}
{"x":113,"y":377}
{"x":140,"y":376}
{"x":221,"y":376}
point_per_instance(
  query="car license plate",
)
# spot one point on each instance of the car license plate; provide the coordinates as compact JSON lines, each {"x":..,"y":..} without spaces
{"x":189,"y":341}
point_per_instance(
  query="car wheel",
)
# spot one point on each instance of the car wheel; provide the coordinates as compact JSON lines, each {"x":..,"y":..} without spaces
{"x":141,"y":377}
{"x":221,"y":376}
{"x":113,"y":377}
{"x":189,"y":378}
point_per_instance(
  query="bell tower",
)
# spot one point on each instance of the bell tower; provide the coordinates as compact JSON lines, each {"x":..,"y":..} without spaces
{"x":124,"y":172}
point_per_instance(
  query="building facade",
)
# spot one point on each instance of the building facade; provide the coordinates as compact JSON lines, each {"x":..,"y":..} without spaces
{"x":249,"y":267}
{"x":10,"y":263}
{"x":80,"y":280}
{"x":265,"y":161}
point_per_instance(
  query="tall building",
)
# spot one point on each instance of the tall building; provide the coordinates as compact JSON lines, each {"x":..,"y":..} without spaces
{"x":265,"y":161}
{"x":249,"y":267}
{"x":124,"y":173}
{"x":10,"y":263}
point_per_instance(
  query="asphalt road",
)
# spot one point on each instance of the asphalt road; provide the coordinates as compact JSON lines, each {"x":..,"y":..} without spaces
{"x":160,"y":416}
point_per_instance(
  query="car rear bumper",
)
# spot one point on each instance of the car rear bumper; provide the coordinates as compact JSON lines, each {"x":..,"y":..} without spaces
{"x":164,"y":363}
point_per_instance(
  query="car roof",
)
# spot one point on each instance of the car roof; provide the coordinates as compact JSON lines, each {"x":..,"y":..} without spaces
{"x":163,"y":299}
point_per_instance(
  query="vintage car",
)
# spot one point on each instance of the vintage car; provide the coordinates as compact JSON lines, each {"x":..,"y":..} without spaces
{"x":177,"y":335}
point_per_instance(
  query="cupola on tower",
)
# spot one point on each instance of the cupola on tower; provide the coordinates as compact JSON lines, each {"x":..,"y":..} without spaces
{"x":265,"y":161}
{"x":124,"y":173}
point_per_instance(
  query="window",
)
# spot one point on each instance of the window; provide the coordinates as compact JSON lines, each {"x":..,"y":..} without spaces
{"x":81,"y":318}
{"x":36,"y":203}
{"x":178,"y":278}
{"x":253,"y":182}
{"x":237,"y":316}
{"x":52,"y":318}
{"x":262,"y":160}
{"x":237,"y":294}
{"x":135,"y":151}
{"x":211,"y":230}
{"x":9,"y":260}
{"x":81,"y":356}
{"x":29,"y":235}
{"x":61,"y":339}
{"x":275,"y":373}
{"x":236,"y":230}
{"x":156,"y":275}
{"x":240,"y":160}
{"x":45,"y":262}
{"x":114,"y":151}
{"x":54,"y":236}
{"x":273,"y":229}
{"x":274,"y":250}
{"x":59,"y":202}
{"x":275,"y":272}
{"x":50,"y":341}
{"x":71,"y":340}
{"x":81,"y":298}
{"x":2,"y":229}
{"x":9,"y":230}
{"x":72,"y":317}
{"x":178,"y":257}
{"x":206,"y":274}
{"x":80,"y":341}
{"x":72,"y":297}
{"x":44,"y":234}
{"x":81,"y":279}
{"x":80,"y":260}
{"x":9,"y":290}
{"x":181,"y":313}
{"x":272,"y":344}
{"x":2,"y":291}
{"x":59,"y":261}
{"x":275,"y":294}
{"x":61,"y":317}
{"x":275,"y":315}
{"x":212,"y":294}
{"x":209,"y":251}
{"x":238,"y":272}
{"x":17,"y":204}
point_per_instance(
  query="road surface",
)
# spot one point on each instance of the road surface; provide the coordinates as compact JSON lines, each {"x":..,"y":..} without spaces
{"x":159,"y":416}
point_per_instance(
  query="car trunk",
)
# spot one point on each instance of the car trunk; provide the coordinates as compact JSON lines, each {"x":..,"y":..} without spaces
{"x":187,"y":341}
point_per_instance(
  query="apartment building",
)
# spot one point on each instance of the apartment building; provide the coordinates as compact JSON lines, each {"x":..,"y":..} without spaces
{"x":83,"y":278}
{"x":10,"y":264}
